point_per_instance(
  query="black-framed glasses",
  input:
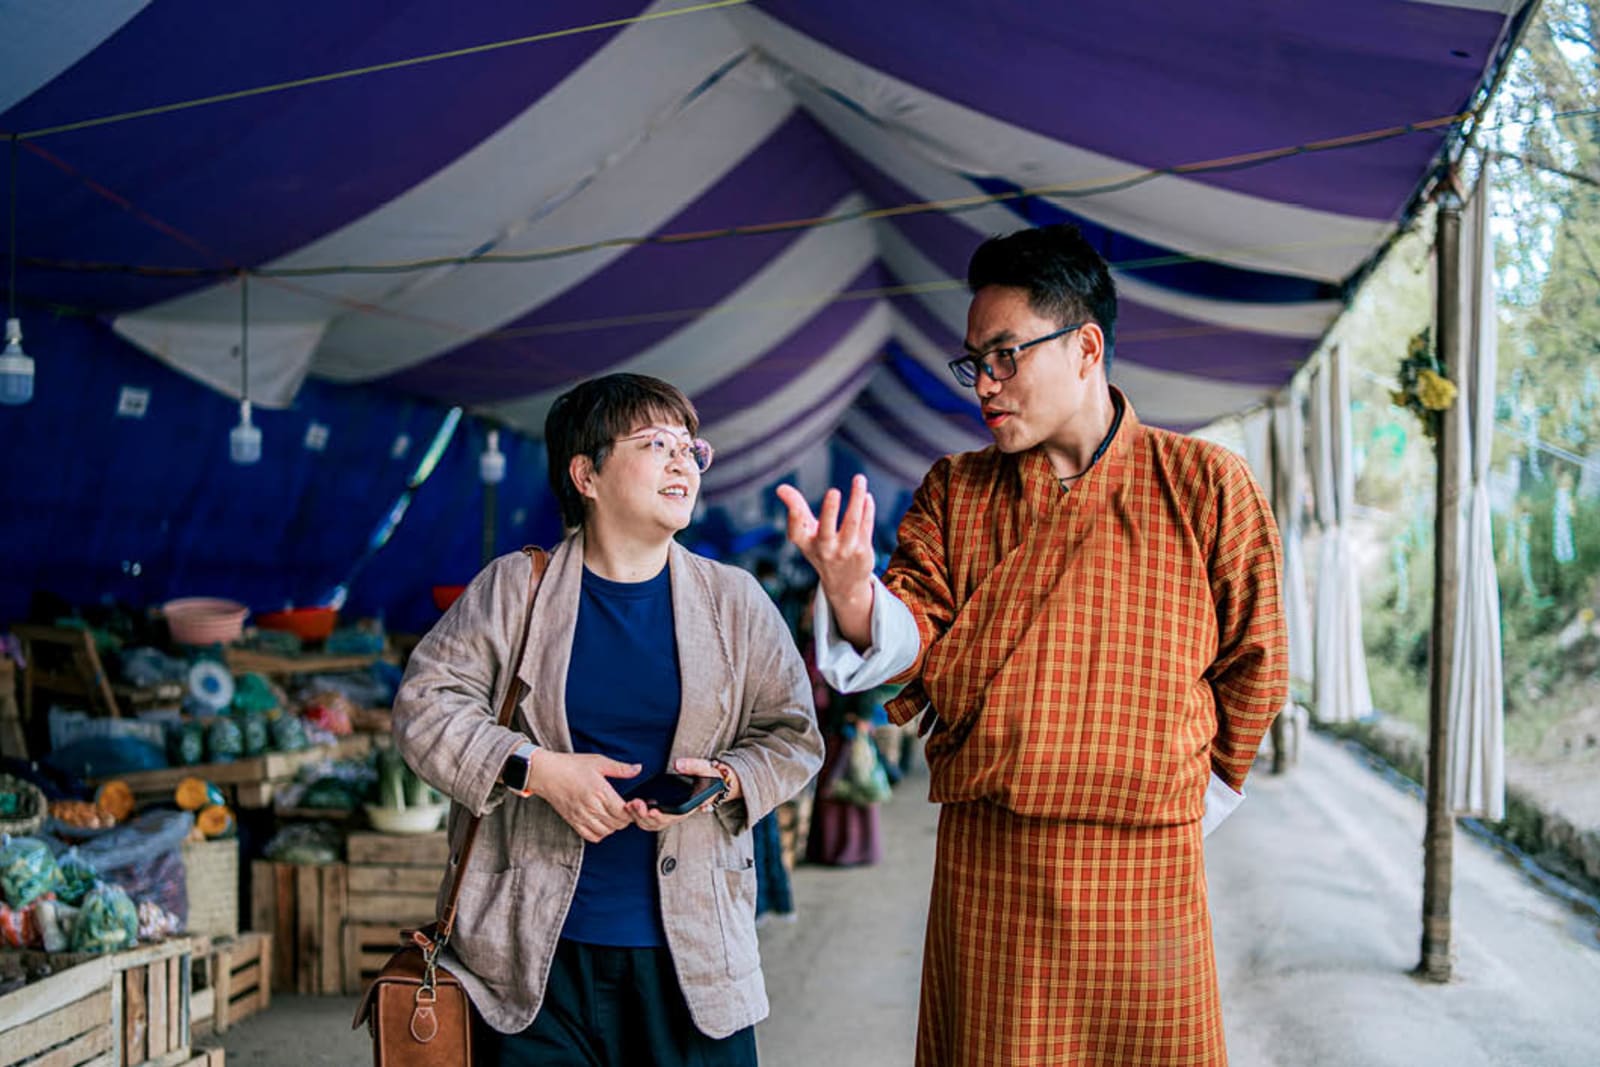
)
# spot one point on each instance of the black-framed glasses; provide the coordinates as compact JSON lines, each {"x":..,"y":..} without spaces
{"x":666,"y":446}
{"x":1001,"y":363}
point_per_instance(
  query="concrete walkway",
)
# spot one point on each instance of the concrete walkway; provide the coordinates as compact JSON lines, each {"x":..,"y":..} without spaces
{"x":1316,"y":892}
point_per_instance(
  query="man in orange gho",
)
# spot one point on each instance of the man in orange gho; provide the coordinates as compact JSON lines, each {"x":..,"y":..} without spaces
{"x":1087,"y":613}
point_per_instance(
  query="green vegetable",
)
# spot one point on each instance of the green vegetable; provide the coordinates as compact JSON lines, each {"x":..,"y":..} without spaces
{"x":329,"y":793}
{"x":288,"y":733}
{"x":251,"y":692}
{"x":77,"y":878}
{"x":392,"y":772}
{"x":27,"y":871}
{"x":186,"y":744}
{"x":418,"y":794}
{"x":225,"y":739}
{"x":108,"y":921}
{"x":253,"y":727}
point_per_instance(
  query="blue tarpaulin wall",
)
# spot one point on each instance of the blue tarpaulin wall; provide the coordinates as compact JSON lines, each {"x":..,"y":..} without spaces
{"x":98,"y":505}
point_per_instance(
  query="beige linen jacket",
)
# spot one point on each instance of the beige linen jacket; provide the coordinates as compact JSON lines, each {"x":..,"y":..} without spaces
{"x":746,"y":700}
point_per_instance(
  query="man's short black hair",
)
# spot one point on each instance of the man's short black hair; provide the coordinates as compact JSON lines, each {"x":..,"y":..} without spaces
{"x":1066,"y":280}
{"x":587,"y":418}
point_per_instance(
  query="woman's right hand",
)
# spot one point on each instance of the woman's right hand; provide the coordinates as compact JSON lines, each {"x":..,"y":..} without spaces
{"x":578,"y":786}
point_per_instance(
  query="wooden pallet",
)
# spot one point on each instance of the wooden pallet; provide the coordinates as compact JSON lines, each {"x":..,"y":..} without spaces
{"x":303,"y":907}
{"x":232,"y":982}
{"x":123,"y":1009}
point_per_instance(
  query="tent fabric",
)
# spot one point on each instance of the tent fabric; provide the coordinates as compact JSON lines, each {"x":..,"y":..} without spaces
{"x":1343,"y":693}
{"x":1288,"y":426}
{"x":1476,"y":700}
{"x":770,"y":203}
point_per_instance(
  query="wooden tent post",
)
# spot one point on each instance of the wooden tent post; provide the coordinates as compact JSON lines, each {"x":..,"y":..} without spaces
{"x":1278,"y":492}
{"x":1438,"y":838}
{"x":490,"y":503}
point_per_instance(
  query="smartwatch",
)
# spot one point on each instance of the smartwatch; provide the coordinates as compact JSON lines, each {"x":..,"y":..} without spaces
{"x":514,"y":775}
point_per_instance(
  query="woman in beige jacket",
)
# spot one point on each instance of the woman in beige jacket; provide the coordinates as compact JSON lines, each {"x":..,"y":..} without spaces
{"x":593,"y":930}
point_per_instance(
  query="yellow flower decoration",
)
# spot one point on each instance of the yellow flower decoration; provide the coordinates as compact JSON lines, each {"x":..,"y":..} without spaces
{"x":1437,"y":393}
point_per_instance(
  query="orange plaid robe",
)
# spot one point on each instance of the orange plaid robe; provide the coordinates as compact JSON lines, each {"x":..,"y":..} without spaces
{"x":1092,"y":656}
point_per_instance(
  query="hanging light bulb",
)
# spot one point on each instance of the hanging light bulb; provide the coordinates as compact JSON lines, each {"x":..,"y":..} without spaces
{"x":16,"y":366}
{"x":492,"y":463}
{"x":244,"y":440}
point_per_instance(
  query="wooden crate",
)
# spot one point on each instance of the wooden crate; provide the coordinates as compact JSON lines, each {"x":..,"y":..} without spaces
{"x":395,"y":878}
{"x":209,"y":1056}
{"x":367,"y":947}
{"x":393,"y":884}
{"x":232,"y":982}
{"x":123,"y":1009}
{"x":303,"y":907}
{"x":211,"y":879}
{"x":69,"y":1018}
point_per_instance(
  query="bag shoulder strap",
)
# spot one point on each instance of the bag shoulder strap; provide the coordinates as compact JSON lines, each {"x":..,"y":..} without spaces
{"x":538,"y":560}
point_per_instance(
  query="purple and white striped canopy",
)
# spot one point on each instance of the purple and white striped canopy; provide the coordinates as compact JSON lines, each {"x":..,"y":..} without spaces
{"x":552,"y":176}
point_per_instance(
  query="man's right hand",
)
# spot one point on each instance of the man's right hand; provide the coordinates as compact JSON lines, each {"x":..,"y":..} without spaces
{"x":578,"y":786}
{"x":840,"y":549}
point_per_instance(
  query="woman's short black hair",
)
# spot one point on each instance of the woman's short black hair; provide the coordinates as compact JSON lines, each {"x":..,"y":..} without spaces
{"x":587,"y":418}
{"x":1066,"y":279}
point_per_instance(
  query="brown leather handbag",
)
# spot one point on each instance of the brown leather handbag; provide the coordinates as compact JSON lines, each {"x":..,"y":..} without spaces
{"x":417,"y":1012}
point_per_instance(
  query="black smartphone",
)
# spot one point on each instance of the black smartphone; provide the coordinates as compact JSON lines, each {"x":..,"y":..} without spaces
{"x":675,"y":794}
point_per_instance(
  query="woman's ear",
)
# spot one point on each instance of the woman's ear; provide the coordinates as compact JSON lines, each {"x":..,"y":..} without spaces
{"x":581,"y":470}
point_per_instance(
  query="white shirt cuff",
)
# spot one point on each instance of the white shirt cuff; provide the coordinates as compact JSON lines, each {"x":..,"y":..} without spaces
{"x":1220,"y":802}
{"x":895,"y":643}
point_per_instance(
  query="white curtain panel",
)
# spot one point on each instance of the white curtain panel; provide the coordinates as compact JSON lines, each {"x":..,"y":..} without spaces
{"x":1288,"y":426}
{"x":1477,"y":693}
{"x":1342,"y":690}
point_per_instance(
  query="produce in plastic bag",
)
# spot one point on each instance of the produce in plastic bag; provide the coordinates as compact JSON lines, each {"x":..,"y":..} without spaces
{"x":186,"y":744}
{"x":19,"y":927}
{"x":108,"y":921}
{"x":224,"y":740}
{"x":288,"y":733}
{"x":78,"y":876}
{"x":332,"y":712}
{"x":253,"y":726}
{"x":305,"y":842}
{"x":155,"y":922}
{"x":863,"y":781}
{"x":145,"y":857}
{"x":51,"y":936}
{"x":252,"y":692}
{"x":28,"y":871}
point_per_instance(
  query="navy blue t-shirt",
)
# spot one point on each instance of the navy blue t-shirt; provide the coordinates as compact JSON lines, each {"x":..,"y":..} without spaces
{"x":622,"y":701}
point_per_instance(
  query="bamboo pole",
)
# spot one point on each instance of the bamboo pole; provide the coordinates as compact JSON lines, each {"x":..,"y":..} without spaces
{"x":1438,"y":838}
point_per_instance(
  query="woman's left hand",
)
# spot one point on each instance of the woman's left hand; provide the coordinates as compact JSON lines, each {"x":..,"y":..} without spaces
{"x":647,"y":818}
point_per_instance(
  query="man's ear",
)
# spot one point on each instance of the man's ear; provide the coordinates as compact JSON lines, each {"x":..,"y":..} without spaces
{"x":581,"y":470}
{"x":1092,"y":348}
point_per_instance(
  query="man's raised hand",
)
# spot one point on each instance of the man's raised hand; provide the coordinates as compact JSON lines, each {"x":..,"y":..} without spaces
{"x":840,"y":549}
